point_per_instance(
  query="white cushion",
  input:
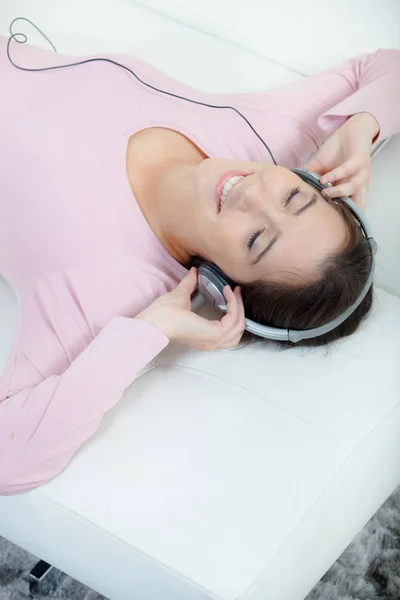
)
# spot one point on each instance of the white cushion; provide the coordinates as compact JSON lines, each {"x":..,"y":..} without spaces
{"x":383,"y":212}
{"x":231,"y":474}
{"x":86,"y":27}
{"x":304,"y":36}
{"x":219,"y":473}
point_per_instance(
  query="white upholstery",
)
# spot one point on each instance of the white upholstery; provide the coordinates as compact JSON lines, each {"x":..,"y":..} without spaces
{"x":303,"y":36}
{"x":237,"y":473}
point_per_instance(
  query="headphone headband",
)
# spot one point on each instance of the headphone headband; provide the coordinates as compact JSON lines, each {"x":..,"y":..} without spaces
{"x":212,"y":280}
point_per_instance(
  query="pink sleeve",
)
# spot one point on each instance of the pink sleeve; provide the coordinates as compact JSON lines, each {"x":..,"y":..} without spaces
{"x":295,"y":119}
{"x":375,"y":79}
{"x":42,"y":426}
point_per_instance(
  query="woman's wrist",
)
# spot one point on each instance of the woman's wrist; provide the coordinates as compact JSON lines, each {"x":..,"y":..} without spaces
{"x":369,"y":123}
{"x":154,"y":320}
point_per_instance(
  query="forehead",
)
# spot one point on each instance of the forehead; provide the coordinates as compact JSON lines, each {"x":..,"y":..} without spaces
{"x":305,"y":242}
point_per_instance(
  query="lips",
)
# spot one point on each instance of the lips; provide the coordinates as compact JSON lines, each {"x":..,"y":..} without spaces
{"x":222,"y":181}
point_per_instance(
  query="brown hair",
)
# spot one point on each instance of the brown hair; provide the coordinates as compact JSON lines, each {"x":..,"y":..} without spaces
{"x":309,"y":305}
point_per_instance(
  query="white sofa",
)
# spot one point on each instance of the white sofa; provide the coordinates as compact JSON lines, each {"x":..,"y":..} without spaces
{"x":233,"y":474}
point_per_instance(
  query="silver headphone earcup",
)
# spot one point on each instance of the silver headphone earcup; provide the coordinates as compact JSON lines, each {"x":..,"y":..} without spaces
{"x":210,"y":283}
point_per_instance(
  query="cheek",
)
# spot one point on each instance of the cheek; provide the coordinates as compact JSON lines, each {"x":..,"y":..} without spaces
{"x":229,"y":246}
{"x":234,"y":234}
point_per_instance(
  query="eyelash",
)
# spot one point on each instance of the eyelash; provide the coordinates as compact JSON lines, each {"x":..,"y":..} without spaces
{"x":255,"y":235}
{"x":253,"y":238}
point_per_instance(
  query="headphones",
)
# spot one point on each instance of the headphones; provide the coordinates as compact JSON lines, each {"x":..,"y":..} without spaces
{"x":211,"y":279}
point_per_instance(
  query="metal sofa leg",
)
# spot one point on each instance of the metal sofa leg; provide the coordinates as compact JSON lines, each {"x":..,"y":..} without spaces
{"x":37,"y":575}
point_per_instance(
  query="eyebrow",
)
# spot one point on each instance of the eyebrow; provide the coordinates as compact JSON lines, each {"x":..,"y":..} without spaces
{"x":312,"y":201}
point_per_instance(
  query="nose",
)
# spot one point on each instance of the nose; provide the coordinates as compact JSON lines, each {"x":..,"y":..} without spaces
{"x":257,"y":195}
{"x":261,"y":199}
{"x":250,"y":194}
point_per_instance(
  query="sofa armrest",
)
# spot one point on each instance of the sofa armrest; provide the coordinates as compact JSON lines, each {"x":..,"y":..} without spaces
{"x":383,"y":212}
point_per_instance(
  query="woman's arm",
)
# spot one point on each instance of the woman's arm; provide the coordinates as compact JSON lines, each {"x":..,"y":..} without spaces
{"x":44,"y":423}
{"x":41,"y":427}
{"x":369,"y":83}
{"x":294,"y":120}
{"x":376,"y":82}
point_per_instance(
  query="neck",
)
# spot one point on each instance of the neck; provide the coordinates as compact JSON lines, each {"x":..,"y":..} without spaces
{"x":172,"y":194}
{"x":159,"y":175}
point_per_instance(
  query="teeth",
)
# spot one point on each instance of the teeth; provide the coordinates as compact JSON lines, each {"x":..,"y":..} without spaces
{"x":228,"y":186}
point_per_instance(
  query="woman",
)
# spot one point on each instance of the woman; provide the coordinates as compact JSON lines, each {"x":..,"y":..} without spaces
{"x":107,"y":194}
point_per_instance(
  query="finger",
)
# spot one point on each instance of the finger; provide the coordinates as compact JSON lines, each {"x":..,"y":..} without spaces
{"x":234,"y":335}
{"x":343,"y":189}
{"x":313,"y":165}
{"x":232,"y":310}
{"x":360,"y":197}
{"x":241,"y":320}
{"x":323,"y":161}
{"x":189,"y":282}
{"x":348,"y":188}
{"x":345,"y":170}
{"x":229,"y":319}
{"x":232,"y":323}
{"x":241,"y":315}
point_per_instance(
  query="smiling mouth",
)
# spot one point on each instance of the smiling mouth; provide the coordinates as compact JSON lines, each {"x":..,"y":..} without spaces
{"x":225,"y":184}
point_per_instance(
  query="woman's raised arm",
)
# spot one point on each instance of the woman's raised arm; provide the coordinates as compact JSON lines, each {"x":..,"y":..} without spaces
{"x":295,"y":119}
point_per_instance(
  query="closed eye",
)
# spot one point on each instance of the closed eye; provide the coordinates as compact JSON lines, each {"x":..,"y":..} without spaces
{"x":253,"y":237}
{"x":291,"y":195}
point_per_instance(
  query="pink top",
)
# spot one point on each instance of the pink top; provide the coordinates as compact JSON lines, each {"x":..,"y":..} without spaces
{"x":75,"y":246}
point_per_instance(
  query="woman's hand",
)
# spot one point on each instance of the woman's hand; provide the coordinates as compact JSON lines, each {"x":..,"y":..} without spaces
{"x":172,"y":315}
{"x":344,"y":159}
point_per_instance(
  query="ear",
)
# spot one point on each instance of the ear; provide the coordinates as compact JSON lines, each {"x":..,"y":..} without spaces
{"x":195,"y":261}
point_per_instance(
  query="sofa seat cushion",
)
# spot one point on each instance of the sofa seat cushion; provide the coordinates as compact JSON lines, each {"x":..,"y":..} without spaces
{"x":222,"y":471}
